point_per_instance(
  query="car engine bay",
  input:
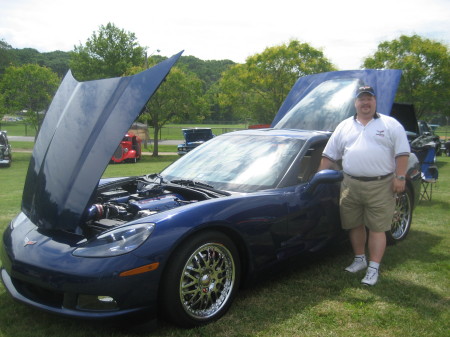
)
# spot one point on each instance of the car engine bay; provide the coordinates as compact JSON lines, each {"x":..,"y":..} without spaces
{"x":129,"y":199}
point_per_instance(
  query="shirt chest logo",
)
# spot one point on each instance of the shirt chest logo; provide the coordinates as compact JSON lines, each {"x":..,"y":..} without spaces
{"x":380,"y":133}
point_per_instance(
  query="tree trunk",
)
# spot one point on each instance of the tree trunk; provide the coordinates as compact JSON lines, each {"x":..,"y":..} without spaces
{"x":155,"y":140}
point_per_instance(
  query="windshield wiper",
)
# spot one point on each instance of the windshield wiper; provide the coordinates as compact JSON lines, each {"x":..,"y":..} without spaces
{"x":198,"y":185}
{"x":189,"y":182}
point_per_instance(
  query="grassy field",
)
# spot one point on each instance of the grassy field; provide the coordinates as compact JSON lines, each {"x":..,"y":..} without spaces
{"x":308,"y":298}
{"x":168,"y":132}
{"x":443,"y":132}
{"x":17,"y":129}
{"x":173,"y":131}
{"x":28,"y":146}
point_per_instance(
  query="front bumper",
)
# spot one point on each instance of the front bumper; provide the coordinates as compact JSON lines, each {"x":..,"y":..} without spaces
{"x":61,"y":306}
{"x":47,"y":276}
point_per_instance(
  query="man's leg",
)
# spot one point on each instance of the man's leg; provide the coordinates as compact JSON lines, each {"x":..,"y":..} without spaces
{"x":358,"y":240}
{"x":377,"y":246}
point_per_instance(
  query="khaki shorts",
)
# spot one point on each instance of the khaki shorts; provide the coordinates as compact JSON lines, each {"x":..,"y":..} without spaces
{"x":371,"y":203}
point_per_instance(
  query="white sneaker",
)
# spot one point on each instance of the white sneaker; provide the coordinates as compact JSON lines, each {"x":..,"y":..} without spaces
{"x":371,"y":277}
{"x":357,"y":265}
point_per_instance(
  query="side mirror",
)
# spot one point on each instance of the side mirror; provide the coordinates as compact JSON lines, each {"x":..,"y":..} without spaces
{"x":323,"y":177}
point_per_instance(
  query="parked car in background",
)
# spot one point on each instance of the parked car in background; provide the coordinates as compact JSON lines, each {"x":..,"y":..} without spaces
{"x":5,"y":150}
{"x":129,"y":149}
{"x":428,"y":132}
{"x":194,"y":137}
{"x":416,"y":130}
{"x":179,"y":243}
{"x":446,"y":148}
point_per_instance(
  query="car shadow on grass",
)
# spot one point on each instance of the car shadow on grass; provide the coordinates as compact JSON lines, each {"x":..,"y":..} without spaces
{"x":289,"y":294}
{"x":278,"y":296}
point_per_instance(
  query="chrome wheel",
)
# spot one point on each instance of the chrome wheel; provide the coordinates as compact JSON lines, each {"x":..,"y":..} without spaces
{"x":207,"y":280}
{"x":402,"y":217}
{"x":201,"y":279}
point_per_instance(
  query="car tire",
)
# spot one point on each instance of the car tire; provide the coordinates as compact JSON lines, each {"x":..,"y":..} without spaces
{"x":401,"y":222}
{"x":201,"y":280}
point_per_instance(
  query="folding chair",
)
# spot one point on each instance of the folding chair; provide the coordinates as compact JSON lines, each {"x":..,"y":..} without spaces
{"x":430,"y":174}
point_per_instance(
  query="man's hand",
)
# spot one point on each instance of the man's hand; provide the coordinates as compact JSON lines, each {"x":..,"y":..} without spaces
{"x":398,"y":185}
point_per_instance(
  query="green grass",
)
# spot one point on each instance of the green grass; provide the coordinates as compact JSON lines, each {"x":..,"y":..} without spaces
{"x":27,"y":146}
{"x":161,"y":148}
{"x":314,"y":298}
{"x":174,"y":131}
{"x":18,"y":146}
{"x":168,"y":132}
{"x":17,"y":129}
{"x":146,"y":165}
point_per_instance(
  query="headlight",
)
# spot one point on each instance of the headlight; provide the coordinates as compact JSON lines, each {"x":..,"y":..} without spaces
{"x":116,"y":242}
{"x":18,"y":220}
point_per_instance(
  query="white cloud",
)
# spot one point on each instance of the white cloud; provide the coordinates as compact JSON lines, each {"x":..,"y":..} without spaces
{"x":346,"y":31}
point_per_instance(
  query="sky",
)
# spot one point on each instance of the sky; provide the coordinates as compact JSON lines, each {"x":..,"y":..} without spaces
{"x":346,"y":31}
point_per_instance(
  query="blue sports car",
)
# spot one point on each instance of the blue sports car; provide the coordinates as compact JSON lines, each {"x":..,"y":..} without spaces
{"x":178,"y":243}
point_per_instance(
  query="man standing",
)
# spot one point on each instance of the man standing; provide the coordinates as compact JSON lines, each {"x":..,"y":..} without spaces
{"x":374,"y":150}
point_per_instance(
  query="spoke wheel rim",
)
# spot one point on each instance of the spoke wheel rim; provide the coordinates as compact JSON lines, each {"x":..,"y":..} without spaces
{"x":402,"y":216}
{"x":207,"y":281}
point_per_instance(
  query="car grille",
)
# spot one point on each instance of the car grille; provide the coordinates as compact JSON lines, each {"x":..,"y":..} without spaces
{"x":39,"y":294}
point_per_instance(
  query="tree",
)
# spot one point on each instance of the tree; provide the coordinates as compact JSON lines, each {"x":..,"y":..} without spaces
{"x":29,"y":87}
{"x":426,"y":72}
{"x":108,"y":53}
{"x":208,"y":71}
{"x":255,"y":90}
{"x":179,"y":98}
{"x":57,"y":60}
{"x":6,"y":56}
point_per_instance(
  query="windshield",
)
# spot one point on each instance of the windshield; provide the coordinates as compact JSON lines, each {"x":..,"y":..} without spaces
{"x":324,"y":107}
{"x":237,"y":162}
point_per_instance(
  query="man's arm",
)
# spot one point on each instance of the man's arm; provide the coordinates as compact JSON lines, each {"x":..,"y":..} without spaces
{"x":401,"y":164}
{"x":326,"y":163}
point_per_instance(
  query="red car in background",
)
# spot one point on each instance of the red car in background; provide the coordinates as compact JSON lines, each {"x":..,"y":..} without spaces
{"x":129,"y":149}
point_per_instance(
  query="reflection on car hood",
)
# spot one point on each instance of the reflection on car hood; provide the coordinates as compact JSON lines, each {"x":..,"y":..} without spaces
{"x":83,"y":126}
{"x":321,"y":101}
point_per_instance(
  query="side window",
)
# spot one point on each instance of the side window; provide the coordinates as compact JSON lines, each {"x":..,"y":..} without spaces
{"x":310,"y":162}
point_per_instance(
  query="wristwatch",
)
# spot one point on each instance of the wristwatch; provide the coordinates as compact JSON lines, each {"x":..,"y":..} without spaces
{"x":400,"y":177}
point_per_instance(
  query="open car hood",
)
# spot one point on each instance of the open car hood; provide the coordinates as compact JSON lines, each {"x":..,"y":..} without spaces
{"x":406,"y":115}
{"x":321,"y":101}
{"x":83,"y":126}
{"x":197,"y":135}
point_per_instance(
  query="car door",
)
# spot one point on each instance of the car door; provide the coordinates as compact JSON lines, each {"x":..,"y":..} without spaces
{"x":313,"y":217}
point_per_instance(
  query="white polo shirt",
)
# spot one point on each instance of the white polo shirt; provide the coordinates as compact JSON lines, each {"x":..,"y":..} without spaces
{"x":368,"y":151}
